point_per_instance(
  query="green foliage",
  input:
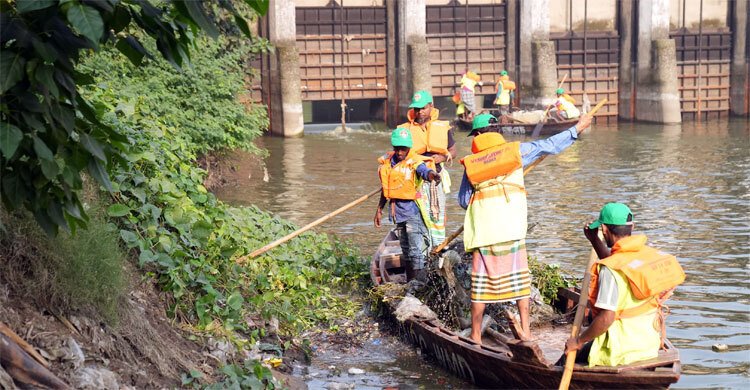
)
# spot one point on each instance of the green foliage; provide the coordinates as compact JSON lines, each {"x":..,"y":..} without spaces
{"x":548,"y":278}
{"x":249,"y":375}
{"x":61,"y":134}
{"x":190,"y":241}
{"x":81,"y":272}
{"x":201,"y":101}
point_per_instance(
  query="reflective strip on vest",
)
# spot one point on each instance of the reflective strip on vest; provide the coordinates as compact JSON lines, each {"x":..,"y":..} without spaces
{"x":496,"y":212}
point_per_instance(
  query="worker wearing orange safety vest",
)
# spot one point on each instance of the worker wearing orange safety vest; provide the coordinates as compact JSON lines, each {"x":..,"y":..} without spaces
{"x":494,"y":196}
{"x":565,"y":106}
{"x":401,"y":173}
{"x":505,"y":93}
{"x":628,"y":287}
{"x":431,"y":138}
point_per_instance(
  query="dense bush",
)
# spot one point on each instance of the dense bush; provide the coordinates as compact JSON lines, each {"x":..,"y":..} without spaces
{"x":181,"y":233}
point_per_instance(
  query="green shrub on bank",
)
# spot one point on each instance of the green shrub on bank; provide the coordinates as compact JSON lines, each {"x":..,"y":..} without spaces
{"x":81,"y":272}
{"x":189,"y":241}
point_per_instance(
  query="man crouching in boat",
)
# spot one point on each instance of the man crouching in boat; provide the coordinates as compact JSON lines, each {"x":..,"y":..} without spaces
{"x":628,"y":287}
{"x":493,"y":194}
{"x":401,"y":173}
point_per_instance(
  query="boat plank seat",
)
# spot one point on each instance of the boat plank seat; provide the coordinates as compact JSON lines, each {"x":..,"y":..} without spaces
{"x":665,"y":358}
{"x":391,"y":261}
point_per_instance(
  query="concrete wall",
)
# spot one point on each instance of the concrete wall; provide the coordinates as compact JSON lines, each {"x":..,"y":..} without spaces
{"x":567,"y":15}
{"x":714,"y":13}
{"x":738,"y":93}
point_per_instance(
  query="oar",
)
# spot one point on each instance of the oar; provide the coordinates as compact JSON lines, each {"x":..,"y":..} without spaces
{"x":308,"y":226}
{"x":570,"y":359}
{"x":525,"y":171}
{"x":538,"y":127}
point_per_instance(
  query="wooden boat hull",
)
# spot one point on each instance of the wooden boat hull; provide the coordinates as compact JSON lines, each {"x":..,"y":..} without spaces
{"x":549,"y":128}
{"x":514,"y":363}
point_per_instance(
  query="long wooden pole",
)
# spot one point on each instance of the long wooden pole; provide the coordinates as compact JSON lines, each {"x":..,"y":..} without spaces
{"x":525,"y":171}
{"x":308,"y":226}
{"x":570,"y":358}
{"x":539,"y":125}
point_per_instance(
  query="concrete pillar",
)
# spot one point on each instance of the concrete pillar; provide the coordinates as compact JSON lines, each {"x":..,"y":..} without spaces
{"x":286,"y":96}
{"x":392,"y":72}
{"x":412,"y":55}
{"x":738,"y":93}
{"x":657,"y":95}
{"x":626,"y":107}
{"x":511,"y":40}
{"x":537,"y":54}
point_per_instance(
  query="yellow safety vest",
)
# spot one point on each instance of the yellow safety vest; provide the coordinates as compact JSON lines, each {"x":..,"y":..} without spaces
{"x":497,"y":209}
{"x":505,"y":86}
{"x":563,"y":104}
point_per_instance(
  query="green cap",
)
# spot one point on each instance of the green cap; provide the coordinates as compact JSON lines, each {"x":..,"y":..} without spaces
{"x":504,"y":73}
{"x":482,"y":121}
{"x":613,"y":214}
{"x":560,"y":91}
{"x":401,"y":137}
{"x":420,"y":99}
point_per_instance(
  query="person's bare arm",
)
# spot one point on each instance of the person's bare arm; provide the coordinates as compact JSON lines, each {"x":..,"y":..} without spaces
{"x":601,"y":323}
{"x":379,"y":211}
{"x":599,"y":246}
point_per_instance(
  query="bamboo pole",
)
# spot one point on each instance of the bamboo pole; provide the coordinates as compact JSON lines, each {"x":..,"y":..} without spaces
{"x":570,"y":358}
{"x":308,"y":226}
{"x":525,"y":171}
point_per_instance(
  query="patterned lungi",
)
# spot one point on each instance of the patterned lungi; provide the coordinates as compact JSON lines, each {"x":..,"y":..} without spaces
{"x":467,"y":96}
{"x":500,"y":273}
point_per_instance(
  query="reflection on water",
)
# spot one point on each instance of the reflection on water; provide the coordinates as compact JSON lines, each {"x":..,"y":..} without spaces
{"x":688,"y":186}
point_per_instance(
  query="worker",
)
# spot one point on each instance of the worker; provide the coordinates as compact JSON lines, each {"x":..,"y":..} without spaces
{"x":466,"y":102}
{"x":565,"y":107}
{"x":506,"y":91}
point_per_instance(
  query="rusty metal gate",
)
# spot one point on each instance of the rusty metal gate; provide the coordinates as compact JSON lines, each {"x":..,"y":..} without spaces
{"x":323,"y":61}
{"x":456,"y":32}
{"x":602,"y":66}
{"x":703,"y":68}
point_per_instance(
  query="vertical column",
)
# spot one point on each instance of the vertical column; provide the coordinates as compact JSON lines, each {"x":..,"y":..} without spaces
{"x":511,"y":39}
{"x":657,"y":97}
{"x":738,"y":93}
{"x":286,"y":95}
{"x":392,"y":73}
{"x":626,"y":25}
{"x":538,"y":74}
{"x":413,"y":56}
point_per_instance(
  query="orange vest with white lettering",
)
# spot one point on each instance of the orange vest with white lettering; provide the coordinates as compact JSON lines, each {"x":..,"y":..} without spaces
{"x":401,"y":181}
{"x":433,"y":137}
{"x":495,"y":171}
{"x":651,"y":274}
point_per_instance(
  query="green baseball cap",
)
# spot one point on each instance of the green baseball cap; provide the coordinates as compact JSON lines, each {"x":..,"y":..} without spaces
{"x":613,"y":214}
{"x":560,"y":91}
{"x":401,"y":137}
{"x":420,"y":99}
{"x":504,"y":73}
{"x":481,"y":121}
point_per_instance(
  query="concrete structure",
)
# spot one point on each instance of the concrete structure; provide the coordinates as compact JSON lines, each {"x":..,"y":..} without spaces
{"x":627,"y":16}
{"x":538,"y":70}
{"x":286,"y":99}
{"x":657,"y":98}
{"x":738,"y":94}
{"x":411,"y":69}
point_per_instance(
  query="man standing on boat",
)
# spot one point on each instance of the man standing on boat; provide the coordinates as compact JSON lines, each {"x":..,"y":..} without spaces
{"x":506,"y":90}
{"x":628,"y":287}
{"x":401,"y":173}
{"x":432,"y":138}
{"x":494,"y":196}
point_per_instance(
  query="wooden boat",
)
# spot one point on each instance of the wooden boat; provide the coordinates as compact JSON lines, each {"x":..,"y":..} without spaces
{"x":549,"y":128}
{"x":502,"y":361}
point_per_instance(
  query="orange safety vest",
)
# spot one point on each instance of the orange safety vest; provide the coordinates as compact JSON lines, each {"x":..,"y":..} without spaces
{"x":498,"y":160}
{"x":433,"y":137}
{"x":401,"y":181}
{"x":650,"y":273}
{"x":504,"y":86}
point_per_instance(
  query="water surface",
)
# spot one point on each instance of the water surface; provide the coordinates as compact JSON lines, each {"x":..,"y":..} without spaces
{"x":688,"y":186}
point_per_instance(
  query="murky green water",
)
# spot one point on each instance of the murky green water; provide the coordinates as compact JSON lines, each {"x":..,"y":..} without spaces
{"x":688,"y":186}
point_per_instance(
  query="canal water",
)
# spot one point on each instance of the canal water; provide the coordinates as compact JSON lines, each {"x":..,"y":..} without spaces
{"x":688,"y":186}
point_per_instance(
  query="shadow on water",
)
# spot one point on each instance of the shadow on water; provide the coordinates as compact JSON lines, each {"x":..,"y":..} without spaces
{"x":688,"y":186}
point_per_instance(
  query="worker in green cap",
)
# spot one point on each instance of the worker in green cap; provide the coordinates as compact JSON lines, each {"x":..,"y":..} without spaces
{"x":432,"y":138}
{"x":506,"y":93}
{"x":565,"y":107}
{"x":401,"y":173}
{"x":494,"y":196}
{"x":628,"y":288}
